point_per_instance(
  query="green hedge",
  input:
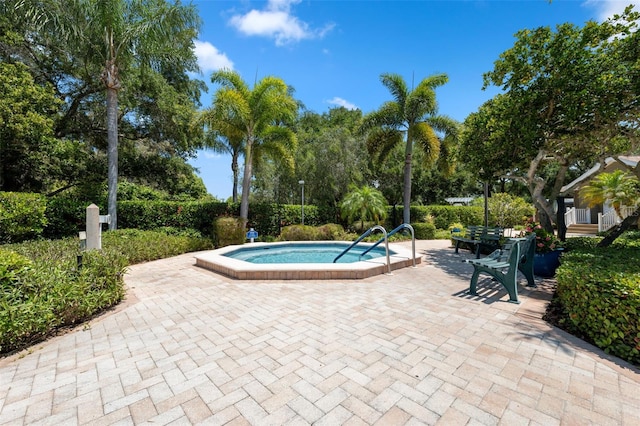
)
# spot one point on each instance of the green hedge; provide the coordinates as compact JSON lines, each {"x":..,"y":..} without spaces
{"x":443,"y":216}
{"x":42,"y":287}
{"x":599,"y":292}
{"x":22,"y":216}
{"x":65,"y":217}
{"x":424,"y":230}
{"x":227,"y":231}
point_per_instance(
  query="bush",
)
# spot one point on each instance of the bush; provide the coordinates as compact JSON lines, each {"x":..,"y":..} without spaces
{"x":300,"y":233}
{"x":44,"y":289}
{"x":65,"y":217}
{"x":581,"y":243}
{"x":12,"y":267}
{"x":22,"y":216}
{"x":505,"y":210}
{"x":424,"y":230}
{"x":599,"y":294}
{"x":444,"y":215}
{"x":331,"y":232}
{"x":228,"y":231}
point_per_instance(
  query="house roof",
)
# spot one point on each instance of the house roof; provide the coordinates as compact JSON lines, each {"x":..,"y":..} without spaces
{"x":630,"y":161}
{"x":460,"y":200}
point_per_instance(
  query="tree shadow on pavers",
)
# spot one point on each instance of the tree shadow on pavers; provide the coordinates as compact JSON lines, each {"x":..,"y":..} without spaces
{"x":450,"y":262}
{"x":561,"y":341}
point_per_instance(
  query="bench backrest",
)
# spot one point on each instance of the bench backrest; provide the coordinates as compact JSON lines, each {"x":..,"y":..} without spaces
{"x":528,"y":248}
{"x":476,"y":232}
{"x":508,"y":253}
{"x":491,"y":233}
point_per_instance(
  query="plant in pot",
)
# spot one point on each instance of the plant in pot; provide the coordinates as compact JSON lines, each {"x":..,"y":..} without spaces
{"x":548,"y":249}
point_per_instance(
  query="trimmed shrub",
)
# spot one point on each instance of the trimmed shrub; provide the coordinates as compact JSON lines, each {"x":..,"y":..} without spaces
{"x":424,"y":230}
{"x":331,"y":232}
{"x":22,"y":216}
{"x":228,"y":231}
{"x":599,"y":292}
{"x":442,"y":215}
{"x":300,"y":233}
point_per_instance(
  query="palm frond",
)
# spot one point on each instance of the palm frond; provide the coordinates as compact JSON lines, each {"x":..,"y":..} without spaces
{"x":231,"y":80}
{"x":397,"y":86}
{"x":388,"y":115}
{"x":427,"y":140}
{"x":381,"y":141}
{"x":444,"y":124}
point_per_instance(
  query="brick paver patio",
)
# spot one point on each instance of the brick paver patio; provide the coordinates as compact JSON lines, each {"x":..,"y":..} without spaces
{"x":192,"y":347}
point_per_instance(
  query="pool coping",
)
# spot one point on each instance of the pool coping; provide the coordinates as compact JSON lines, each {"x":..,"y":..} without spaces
{"x":215,"y":261}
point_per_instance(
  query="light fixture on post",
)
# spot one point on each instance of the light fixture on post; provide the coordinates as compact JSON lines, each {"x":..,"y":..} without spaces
{"x":301,"y":182}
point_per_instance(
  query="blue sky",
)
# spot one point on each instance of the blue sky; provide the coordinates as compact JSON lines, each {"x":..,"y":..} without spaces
{"x":333,"y":51}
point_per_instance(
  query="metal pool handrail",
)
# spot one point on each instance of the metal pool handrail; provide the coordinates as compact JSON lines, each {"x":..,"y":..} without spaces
{"x":397,"y":229}
{"x":365,"y":235}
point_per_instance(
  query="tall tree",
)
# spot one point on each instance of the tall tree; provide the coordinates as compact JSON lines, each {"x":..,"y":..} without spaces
{"x":261,"y":115}
{"x":410,"y":118}
{"x":26,"y":130}
{"x":224,"y":137}
{"x":570,"y":97}
{"x":110,"y":38}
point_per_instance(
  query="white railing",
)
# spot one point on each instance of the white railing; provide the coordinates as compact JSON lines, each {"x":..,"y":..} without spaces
{"x":607,"y":220}
{"x":610,"y":219}
{"x":583,"y":215}
{"x":570,"y":216}
{"x":574,"y":216}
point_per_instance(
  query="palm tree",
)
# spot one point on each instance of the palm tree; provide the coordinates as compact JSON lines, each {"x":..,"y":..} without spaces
{"x":410,"y":118}
{"x":619,"y":188}
{"x":260,"y":115}
{"x":228,"y":139}
{"x":365,"y":203}
{"x":112,"y":37}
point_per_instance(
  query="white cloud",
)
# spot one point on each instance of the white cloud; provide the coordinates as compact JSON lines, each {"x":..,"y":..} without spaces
{"x":209,"y":155}
{"x":210,"y":58}
{"x":342,"y":102}
{"x":608,"y":8}
{"x":277,"y":22}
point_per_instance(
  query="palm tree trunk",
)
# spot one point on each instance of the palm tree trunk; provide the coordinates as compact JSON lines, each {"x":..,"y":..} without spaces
{"x":406,"y":198}
{"x":112,"y":155}
{"x":234,"y":169}
{"x":246,"y":181}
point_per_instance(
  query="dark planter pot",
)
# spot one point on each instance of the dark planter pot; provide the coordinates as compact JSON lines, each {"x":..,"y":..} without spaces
{"x":545,"y":264}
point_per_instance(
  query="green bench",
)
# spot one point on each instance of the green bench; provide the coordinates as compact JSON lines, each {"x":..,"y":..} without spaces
{"x":503,"y":264}
{"x":478,"y":237}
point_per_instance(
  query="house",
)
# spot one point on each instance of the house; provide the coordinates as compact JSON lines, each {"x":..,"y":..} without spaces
{"x":579,"y":217}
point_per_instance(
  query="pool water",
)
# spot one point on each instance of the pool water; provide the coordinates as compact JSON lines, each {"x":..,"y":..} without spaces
{"x":305,"y":253}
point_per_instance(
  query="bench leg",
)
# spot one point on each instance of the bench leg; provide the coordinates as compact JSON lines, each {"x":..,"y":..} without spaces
{"x":511,"y":287}
{"x":527,"y":270}
{"x":473,"y":284}
{"x":478,"y":251}
{"x":457,"y":244}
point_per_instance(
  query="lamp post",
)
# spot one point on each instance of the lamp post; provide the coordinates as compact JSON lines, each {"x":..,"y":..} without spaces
{"x":301,"y":182}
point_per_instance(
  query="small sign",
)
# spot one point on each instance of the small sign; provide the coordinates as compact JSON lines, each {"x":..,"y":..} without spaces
{"x":252,"y":234}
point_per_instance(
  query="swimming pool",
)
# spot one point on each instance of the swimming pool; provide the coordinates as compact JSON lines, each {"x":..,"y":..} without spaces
{"x":218,"y":261}
{"x":322,"y":252}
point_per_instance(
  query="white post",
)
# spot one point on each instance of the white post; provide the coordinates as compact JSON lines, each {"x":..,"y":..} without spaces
{"x":301,"y":182}
{"x":94,"y":237}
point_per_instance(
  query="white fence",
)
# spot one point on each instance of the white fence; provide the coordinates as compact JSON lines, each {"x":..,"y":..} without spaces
{"x":610,"y":219}
{"x":574,"y":216}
